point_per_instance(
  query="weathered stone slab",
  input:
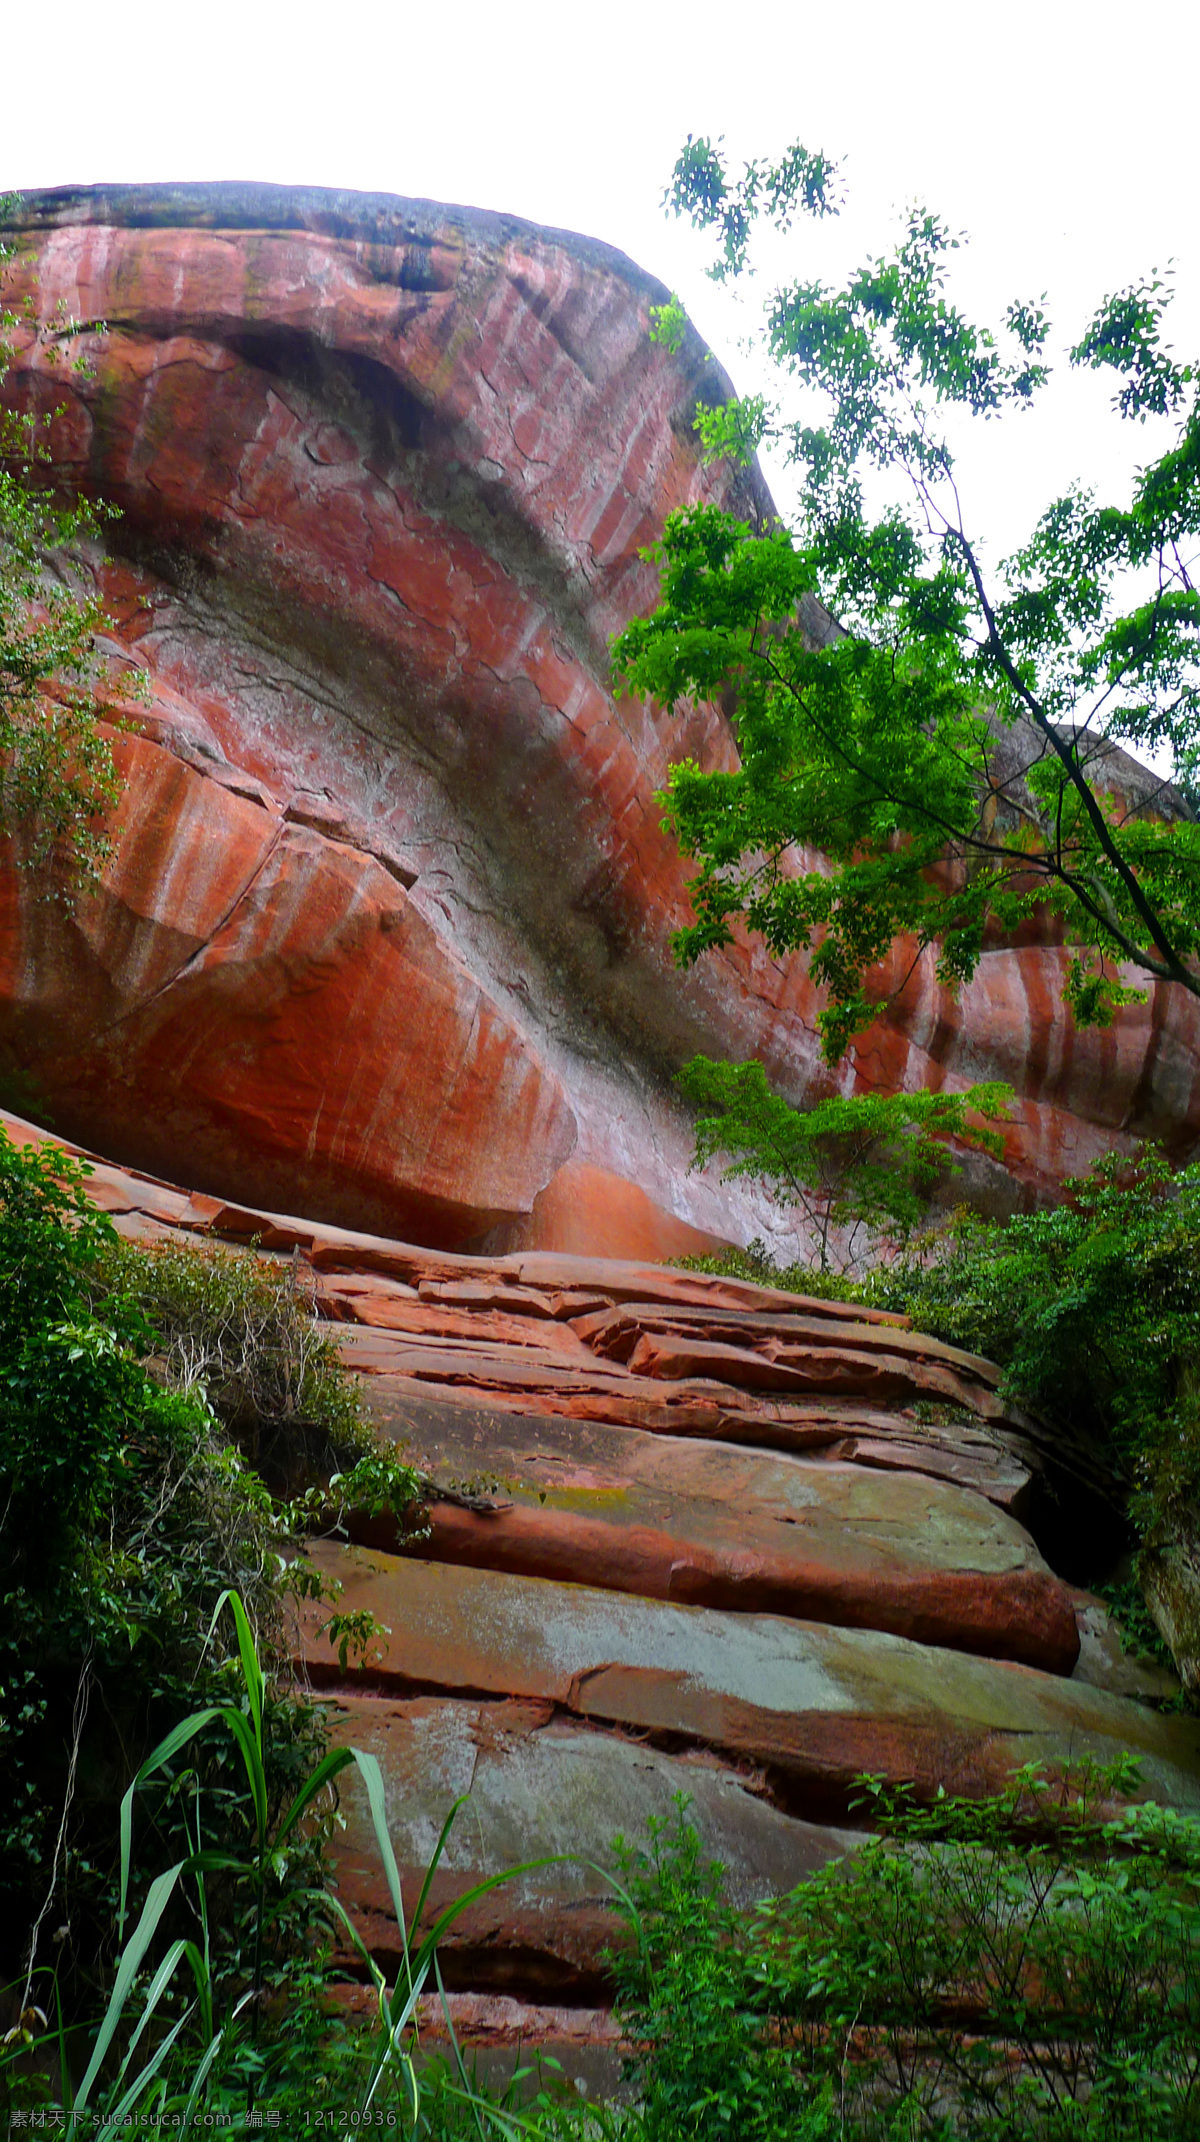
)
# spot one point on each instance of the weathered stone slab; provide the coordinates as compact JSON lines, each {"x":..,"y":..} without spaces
{"x":615,"y":1332}
{"x":673,"y":1518}
{"x":535,"y":1788}
{"x":955,"y":1453}
{"x":814,"y":1706}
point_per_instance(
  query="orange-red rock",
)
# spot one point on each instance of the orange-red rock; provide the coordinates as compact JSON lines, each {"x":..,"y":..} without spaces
{"x":596,"y":1213}
{"x":818,"y":1705}
{"x":387,"y":934}
{"x":633,"y":1586}
{"x":288,"y":1009}
{"x":1019,"y":1614}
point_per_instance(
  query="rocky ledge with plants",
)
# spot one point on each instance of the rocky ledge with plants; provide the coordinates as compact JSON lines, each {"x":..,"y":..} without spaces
{"x":616,"y":1541}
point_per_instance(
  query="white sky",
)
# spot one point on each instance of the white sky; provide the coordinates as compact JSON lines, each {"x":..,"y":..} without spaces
{"x":1061,"y":136}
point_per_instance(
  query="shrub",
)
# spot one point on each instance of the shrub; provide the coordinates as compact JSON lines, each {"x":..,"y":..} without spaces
{"x":1024,"y":1968}
{"x":1092,"y":1308}
{"x":125,"y":1513}
{"x":1094,"y":1312}
{"x":860,"y":1169}
{"x":705,"y":2064}
{"x":57,"y":775}
{"x":755,"y":1262}
{"x":239,"y":1327}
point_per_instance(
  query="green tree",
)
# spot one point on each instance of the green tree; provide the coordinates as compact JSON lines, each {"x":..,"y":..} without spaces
{"x":57,"y":776}
{"x":948,"y":744}
{"x":858,"y":1168}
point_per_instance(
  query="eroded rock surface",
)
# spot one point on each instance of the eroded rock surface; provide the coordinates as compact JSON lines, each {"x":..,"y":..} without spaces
{"x":684,"y":1535}
{"x":386,"y":934}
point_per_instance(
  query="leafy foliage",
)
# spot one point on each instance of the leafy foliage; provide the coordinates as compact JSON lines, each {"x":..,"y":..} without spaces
{"x":125,"y":1513}
{"x":57,"y":775}
{"x":1025,"y":1967}
{"x":191,"y":2059}
{"x":1093,"y":1310}
{"x":757,"y":1263}
{"x":702,"y":189}
{"x":704,"y":2065}
{"x":947,"y":747}
{"x":858,"y":1167}
{"x":239,"y":1327}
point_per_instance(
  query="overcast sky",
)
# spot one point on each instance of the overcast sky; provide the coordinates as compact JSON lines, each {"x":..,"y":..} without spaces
{"x":1061,"y":136}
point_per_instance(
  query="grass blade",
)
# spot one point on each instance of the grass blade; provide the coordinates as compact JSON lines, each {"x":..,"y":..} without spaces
{"x":256,"y":1776}
{"x":116,"y":2116}
{"x":252,"y":1673}
{"x":176,"y":1739}
{"x":372,"y":1777}
{"x":153,"y":1995}
{"x":327,"y":1769}
{"x":131,"y":1956}
{"x":203,"y":2071}
{"x":438,"y":1850}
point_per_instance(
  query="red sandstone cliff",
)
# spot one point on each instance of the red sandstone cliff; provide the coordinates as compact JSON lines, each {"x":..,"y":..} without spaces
{"x":385,"y":936}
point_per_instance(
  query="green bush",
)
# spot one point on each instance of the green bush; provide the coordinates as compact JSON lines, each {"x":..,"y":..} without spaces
{"x":1024,"y":1968}
{"x":861,"y":1169}
{"x":125,"y":1512}
{"x":707,"y":2063}
{"x":757,"y":1263}
{"x":58,"y":779}
{"x":1093,"y":1310}
{"x":238,"y":1326}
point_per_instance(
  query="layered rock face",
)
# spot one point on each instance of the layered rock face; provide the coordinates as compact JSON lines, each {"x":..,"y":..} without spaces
{"x":684,"y":1535}
{"x":386,"y":932}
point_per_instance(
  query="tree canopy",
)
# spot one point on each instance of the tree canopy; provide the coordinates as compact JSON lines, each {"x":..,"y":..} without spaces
{"x":945,"y":735}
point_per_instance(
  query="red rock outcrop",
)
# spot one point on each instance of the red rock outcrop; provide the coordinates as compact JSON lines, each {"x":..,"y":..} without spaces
{"x":386,"y":932}
{"x":685,"y":1534}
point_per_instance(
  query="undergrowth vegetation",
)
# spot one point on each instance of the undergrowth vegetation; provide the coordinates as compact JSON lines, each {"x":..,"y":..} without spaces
{"x":128,"y":1507}
{"x":238,"y":1328}
{"x":1093,"y":1311}
{"x":182,"y":2043}
{"x":1024,"y":1968}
